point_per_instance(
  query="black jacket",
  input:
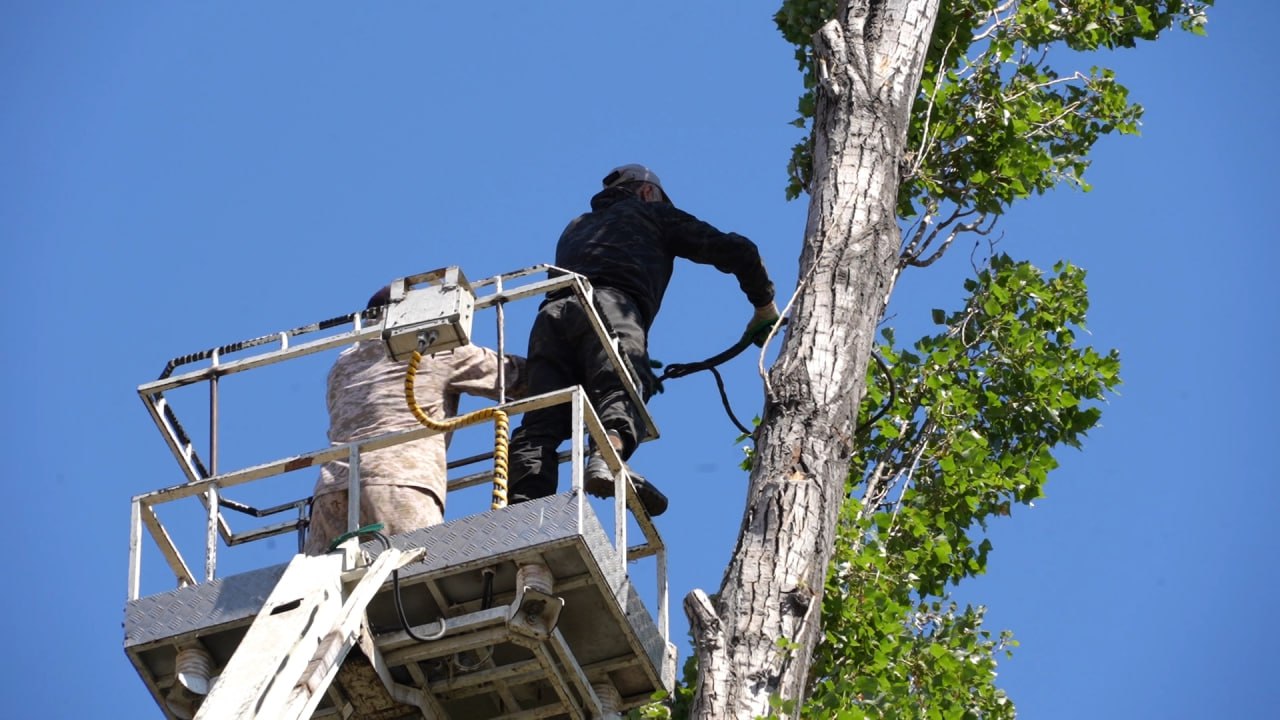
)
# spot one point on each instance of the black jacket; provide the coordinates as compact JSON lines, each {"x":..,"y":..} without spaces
{"x":630,"y":245}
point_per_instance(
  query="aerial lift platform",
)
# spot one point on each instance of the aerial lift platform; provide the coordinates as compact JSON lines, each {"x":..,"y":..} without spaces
{"x":523,"y":611}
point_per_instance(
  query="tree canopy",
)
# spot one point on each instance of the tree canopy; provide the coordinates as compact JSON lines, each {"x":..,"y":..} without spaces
{"x":939,"y":114}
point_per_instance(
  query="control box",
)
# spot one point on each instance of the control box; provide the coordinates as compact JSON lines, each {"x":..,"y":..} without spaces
{"x":439,"y":303}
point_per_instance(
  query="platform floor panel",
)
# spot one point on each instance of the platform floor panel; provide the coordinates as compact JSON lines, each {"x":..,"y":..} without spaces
{"x":474,"y":672}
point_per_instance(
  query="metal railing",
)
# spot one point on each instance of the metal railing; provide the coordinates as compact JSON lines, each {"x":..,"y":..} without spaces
{"x":206,"y":482}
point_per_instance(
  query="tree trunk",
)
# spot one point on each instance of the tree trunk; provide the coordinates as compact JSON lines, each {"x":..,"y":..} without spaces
{"x":756,"y":643}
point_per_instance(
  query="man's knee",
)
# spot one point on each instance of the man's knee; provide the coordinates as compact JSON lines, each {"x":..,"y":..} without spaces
{"x":404,"y":508}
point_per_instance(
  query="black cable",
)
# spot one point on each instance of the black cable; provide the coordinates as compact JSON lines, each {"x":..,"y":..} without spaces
{"x":679,"y":370}
{"x":486,"y":596}
{"x":386,"y":542}
{"x":184,"y":440}
{"x":175,"y":363}
{"x":724,"y":399}
{"x":395,"y":596}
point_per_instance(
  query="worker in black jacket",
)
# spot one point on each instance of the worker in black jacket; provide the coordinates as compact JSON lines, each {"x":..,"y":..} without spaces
{"x":626,"y":247}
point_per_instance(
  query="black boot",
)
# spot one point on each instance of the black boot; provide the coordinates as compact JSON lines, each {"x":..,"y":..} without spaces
{"x":599,"y":482}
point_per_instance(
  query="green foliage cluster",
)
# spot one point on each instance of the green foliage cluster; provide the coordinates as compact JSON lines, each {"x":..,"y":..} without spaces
{"x":978,"y":411}
{"x":993,"y":122}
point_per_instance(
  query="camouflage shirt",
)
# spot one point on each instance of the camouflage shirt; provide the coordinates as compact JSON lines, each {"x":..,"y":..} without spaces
{"x":366,"y":399}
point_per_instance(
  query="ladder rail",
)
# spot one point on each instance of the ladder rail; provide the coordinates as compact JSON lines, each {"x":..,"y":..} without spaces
{"x":300,"y":637}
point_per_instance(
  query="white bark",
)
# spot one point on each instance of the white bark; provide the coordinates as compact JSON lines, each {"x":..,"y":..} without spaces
{"x":872,"y":57}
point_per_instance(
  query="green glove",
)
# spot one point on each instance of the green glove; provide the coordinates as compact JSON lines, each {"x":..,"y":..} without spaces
{"x":761,"y":323}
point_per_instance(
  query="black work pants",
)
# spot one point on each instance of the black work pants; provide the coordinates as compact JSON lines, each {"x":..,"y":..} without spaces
{"x":565,"y":351}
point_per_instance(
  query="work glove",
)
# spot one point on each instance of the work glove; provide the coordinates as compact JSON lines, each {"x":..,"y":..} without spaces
{"x":654,"y":366}
{"x":762,"y":322}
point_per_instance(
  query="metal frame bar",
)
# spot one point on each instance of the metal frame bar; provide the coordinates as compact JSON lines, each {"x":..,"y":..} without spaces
{"x":285,"y":352}
{"x":559,"y":683}
{"x":353,"y":449}
{"x":184,"y":453}
{"x":353,"y":489}
{"x":211,"y":536}
{"x":502,"y":340}
{"x":561,"y":651}
{"x":135,"y":539}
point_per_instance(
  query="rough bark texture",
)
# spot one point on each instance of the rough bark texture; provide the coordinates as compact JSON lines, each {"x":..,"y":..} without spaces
{"x":872,"y":57}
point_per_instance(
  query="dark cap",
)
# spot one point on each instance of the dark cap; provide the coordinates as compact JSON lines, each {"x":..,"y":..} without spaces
{"x":634,"y":173}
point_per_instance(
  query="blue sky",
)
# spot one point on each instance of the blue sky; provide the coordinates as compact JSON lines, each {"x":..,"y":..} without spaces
{"x":175,"y":176}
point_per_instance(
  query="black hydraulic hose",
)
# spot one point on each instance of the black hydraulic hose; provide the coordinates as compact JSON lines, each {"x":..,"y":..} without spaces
{"x":679,"y":370}
{"x":724,"y":400}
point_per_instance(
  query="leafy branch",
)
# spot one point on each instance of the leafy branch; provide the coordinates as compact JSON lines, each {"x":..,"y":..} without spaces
{"x":979,"y":410}
{"x":994,"y":122}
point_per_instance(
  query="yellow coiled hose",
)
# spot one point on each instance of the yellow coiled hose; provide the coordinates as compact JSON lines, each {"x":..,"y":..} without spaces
{"x":500,"y":426}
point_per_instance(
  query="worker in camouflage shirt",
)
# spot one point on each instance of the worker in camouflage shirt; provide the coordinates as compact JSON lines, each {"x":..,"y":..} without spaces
{"x":402,"y":486}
